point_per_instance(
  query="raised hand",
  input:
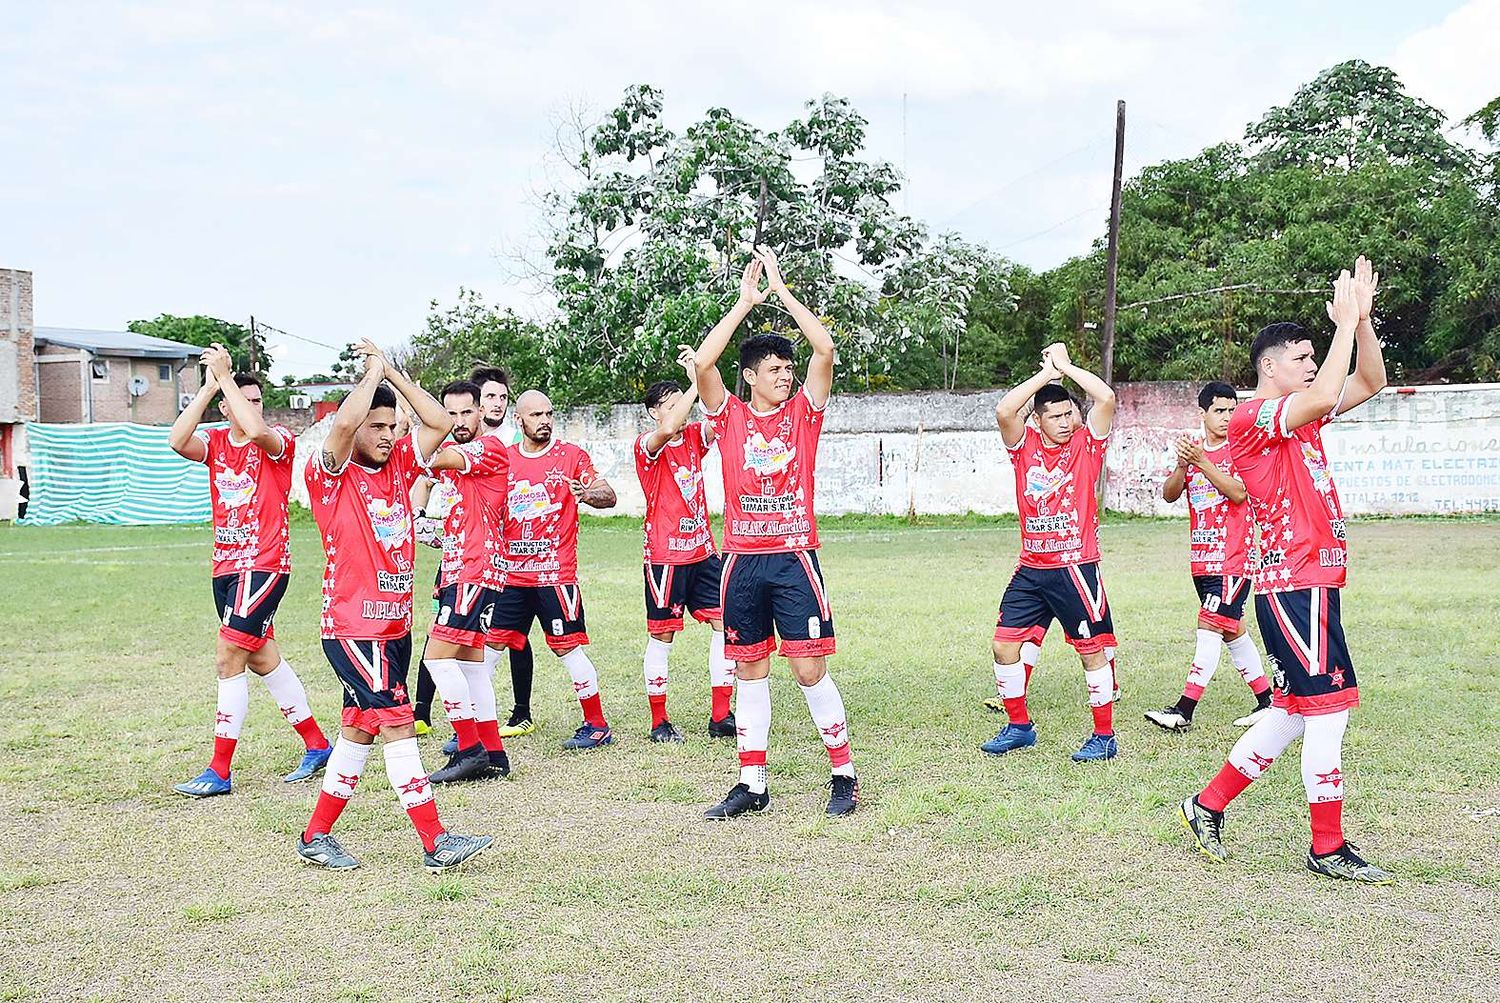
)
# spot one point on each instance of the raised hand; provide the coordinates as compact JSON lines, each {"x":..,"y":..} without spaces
{"x":1189,"y":451}
{"x":1366,"y":284}
{"x":217,"y":359}
{"x":1343,"y":309}
{"x":750,"y":290}
{"x":375,"y":360}
{"x":687,"y":358}
{"x":1057,"y":355}
{"x":767,"y":258}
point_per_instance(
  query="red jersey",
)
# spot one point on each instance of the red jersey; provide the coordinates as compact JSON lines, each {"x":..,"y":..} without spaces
{"x":768,"y":462}
{"x":365,"y":520}
{"x":677,"y":528}
{"x":1292,"y":497}
{"x":1055,"y":497}
{"x":249,"y":488}
{"x":541,"y":514}
{"x":1219,"y":531}
{"x":474,"y":499}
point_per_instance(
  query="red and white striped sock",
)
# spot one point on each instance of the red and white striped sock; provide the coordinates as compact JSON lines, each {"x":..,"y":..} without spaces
{"x":345,"y":767}
{"x":291,"y":697}
{"x":826,"y":705}
{"x":403,"y":765}
{"x":753,"y":720}
{"x":1010,"y":684}
{"x":586,"y":686}
{"x":1323,"y":778}
{"x":229,"y":718}
{"x":1251,"y":756}
{"x":654,"y":665}
{"x":480,"y":677}
{"x":720,"y":677}
{"x":458,"y":702}
{"x":1101,"y":684}
{"x":1246,"y":659}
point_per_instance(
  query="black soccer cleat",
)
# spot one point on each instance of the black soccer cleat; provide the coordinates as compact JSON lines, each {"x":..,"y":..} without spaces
{"x":452,"y":849}
{"x":667,"y":732}
{"x":738,"y":801}
{"x":1346,"y":864}
{"x":722,"y":728}
{"x":324,"y":851}
{"x":1206,"y":827}
{"x":472,"y":763}
{"x":1170,"y":719}
{"x":843,"y":796}
{"x":499,"y":764}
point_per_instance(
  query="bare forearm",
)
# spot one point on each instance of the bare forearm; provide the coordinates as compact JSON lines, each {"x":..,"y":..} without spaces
{"x":425,"y":406}
{"x":1227,"y":486}
{"x":706,"y":359}
{"x":1011,"y":404}
{"x":1370,"y":361}
{"x":243,"y":412}
{"x":807,"y":322}
{"x":600,"y":494}
{"x":191,"y":417}
{"x":1176,"y":481}
{"x":350,"y":415}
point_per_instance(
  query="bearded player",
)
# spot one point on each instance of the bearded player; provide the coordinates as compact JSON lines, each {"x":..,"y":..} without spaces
{"x":683,"y":568}
{"x":249,"y":477}
{"x":772,"y":582}
{"x":1220,"y":559}
{"x":1276,"y":443}
{"x":549,"y":479}
{"x":1057,"y":463}
{"x":358,"y":488}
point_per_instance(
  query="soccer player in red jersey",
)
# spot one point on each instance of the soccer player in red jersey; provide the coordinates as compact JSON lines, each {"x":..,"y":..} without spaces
{"x":549,"y":478}
{"x":1276,"y":442}
{"x":772,"y":583}
{"x":249,"y":476}
{"x":1057,"y":463}
{"x":1220,"y":558}
{"x":683,"y":568}
{"x":359,"y":488}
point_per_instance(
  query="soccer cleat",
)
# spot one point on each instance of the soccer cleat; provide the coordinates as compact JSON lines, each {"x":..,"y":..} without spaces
{"x":499,"y":764}
{"x":1346,"y":864}
{"x":1170,"y":718}
{"x":1011,"y":737}
{"x":589,"y":737}
{"x":451,"y":849}
{"x":472,"y":763}
{"x":205,"y":785}
{"x":313,"y":761}
{"x":1097,"y":747}
{"x":738,"y":801}
{"x":843,"y":795}
{"x":722,"y":728}
{"x":324,"y":851}
{"x":995,"y":702}
{"x":1207,"y":828}
{"x":450,"y":746}
{"x":423,"y":728}
{"x":519,"y":724}
{"x":667,"y":732}
{"x":1255,"y":715}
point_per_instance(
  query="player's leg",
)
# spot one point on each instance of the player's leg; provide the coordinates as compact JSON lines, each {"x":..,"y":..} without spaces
{"x":291,"y":699}
{"x":745,"y":600}
{"x":704,"y":602}
{"x":1242,"y":650}
{"x":1252,"y":755}
{"x":560,"y":609}
{"x":1023,"y":610}
{"x":1076,"y":596}
{"x":663,"y":621}
{"x":522,"y":674}
{"x":1030,"y":652}
{"x":426,"y":690}
{"x":233,"y":702}
{"x":1209,"y":646}
{"x":511,"y":617}
{"x":478,"y":665}
{"x":457,"y":632}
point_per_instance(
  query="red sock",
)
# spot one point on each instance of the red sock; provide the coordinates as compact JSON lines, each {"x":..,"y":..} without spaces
{"x":1104,"y":719}
{"x":1260,"y":686}
{"x":1015,"y":709}
{"x":593,"y":711}
{"x":223,"y":753}
{"x":312,"y":735}
{"x":467,"y":733}
{"x":658,"y":702}
{"x":1229,"y":784}
{"x":324,"y":815}
{"x":721,"y":696}
{"x":1327,"y":826}
{"x":425,"y":817}
{"x":1192,"y":691}
{"x":489,"y":735}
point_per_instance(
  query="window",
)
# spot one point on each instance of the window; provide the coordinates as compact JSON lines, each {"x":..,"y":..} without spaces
{"x":100,"y":369}
{"x":164,"y":372}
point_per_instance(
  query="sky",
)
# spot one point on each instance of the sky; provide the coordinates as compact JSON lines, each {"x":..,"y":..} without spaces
{"x":333,"y":168}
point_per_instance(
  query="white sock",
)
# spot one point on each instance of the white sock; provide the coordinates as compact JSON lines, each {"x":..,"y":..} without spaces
{"x":287,"y":690}
{"x":345,"y":767}
{"x":453,"y":686}
{"x":1101,"y":684}
{"x":826,"y":705}
{"x":1323,"y":756}
{"x":585,"y":677}
{"x":481,"y":682}
{"x":1010,"y":680}
{"x":655,"y":666}
{"x":403,"y":765}
{"x":1268,"y":738}
{"x":234,"y":704}
{"x":1031,"y":653}
{"x":1246,"y":658}
{"x":720,"y":669}
{"x":1205,"y":657}
{"x":753,"y":716}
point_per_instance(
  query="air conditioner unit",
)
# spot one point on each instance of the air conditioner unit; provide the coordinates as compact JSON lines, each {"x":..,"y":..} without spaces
{"x":138,"y":386}
{"x":183,"y":400}
{"x":299,"y":402}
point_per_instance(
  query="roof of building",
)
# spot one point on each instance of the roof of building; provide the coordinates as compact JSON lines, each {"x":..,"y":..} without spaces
{"x":115,"y":343}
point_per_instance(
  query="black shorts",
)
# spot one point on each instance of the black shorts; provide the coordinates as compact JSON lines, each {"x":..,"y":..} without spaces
{"x":673,"y":588}
{"x":783,"y":591}
{"x":1222,"y":599}
{"x":558,"y":607}
{"x":463,"y":614}
{"x":373,"y":674}
{"x":1073,"y":595}
{"x":1311,"y":672}
{"x":246,"y":604}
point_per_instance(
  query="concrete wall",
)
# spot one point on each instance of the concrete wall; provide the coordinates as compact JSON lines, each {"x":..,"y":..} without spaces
{"x":17,"y":381}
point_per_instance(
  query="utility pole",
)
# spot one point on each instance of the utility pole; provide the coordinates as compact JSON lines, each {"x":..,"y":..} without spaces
{"x":254,"y":356}
{"x":1112,"y":260}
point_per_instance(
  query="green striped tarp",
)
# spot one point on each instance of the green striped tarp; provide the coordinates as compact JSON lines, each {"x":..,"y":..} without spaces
{"x":112,"y":472}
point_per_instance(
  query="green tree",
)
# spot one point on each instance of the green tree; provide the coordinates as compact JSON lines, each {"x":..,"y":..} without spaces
{"x":204,"y":331}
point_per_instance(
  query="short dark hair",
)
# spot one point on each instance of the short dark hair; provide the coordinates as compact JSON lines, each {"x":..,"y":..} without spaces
{"x":384,"y":396}
{"x":1276,"y":336}
{"x":1052,"y":393}
{"x":248,"y":380}
{"x":754,"y":351}
{"x":1213,"y":391}
{"x":660,"y":391}
{"x":486,"y":374}
{"x":460,"y":387}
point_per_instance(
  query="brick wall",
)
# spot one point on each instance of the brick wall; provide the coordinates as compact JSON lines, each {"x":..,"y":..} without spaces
{"x":17,"y":382}
{"x":59,"y":387}
{"x":112,"y":401}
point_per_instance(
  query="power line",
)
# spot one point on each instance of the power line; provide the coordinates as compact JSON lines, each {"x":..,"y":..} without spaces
{"x":263,"y":326}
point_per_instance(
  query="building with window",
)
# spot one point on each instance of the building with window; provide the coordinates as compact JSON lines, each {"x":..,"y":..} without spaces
{"x":111,"y":376}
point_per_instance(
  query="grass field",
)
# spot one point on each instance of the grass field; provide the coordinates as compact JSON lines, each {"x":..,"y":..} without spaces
{"x":961,"y":876}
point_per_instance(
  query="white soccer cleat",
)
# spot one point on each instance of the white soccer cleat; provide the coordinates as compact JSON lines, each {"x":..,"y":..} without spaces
{"x":1169,"y":718}
{"x":1252,"y":717}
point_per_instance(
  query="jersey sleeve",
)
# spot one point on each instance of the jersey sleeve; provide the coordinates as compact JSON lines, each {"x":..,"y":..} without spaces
{"x":206,"y":436}
{"x":485,"y":457}
{"x":583,"y":467}
{"x":644,"y":455}
{"x":705,"y":437}
{"x":288,"y":445}
{"x":1259,"y":423}
{"x":730,"y":409}
{"x":1028,"y":439}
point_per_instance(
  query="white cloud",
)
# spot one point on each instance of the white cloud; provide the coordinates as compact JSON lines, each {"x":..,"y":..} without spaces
{"x":1455,"y":64}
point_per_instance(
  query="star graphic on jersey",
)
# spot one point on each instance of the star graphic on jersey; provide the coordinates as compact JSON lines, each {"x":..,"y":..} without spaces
{"x":399,"y":693}
{"x":1262,"y":763}
{"x":731,"y":635}
{"x":222,"y":718}
{"x":416,"y":785}
{"x":1333,"y":778}
{"x":1336,"y":677}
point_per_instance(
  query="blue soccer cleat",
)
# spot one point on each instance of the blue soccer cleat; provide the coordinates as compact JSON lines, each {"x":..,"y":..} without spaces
{"x":313,"y":762}
{"x":205,"y":785}
{"x":1098,"y":747}
{"x":1011,"y":737}
{"x":450,"y":746}
{"x":589,"y":737}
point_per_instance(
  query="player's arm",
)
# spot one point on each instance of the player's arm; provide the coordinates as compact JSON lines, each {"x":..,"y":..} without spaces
{"x":1369,"y":376}
{"x":351,"y":414}
{"x":1229,"y":486}
{"x":1008,"y":413}
{"x":435,"y":421}
{"x":706,"y":358}
{"x":1319,"y":399}
{"x":598,"y":494}
{"x":182,"y":438}
{"x":676,"y":419}
{"x":245,"y":414}
{"x":1102,"y":414}
{"x":819,"y":381}
{"x":1177,"y":479}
